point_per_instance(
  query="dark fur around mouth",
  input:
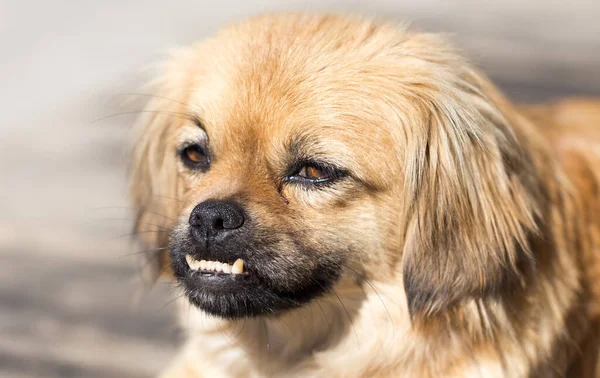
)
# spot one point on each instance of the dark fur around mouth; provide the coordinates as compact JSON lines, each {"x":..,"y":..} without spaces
{"x":267,"y":287}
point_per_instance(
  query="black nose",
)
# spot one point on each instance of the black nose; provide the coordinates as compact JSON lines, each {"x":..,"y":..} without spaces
{"x":213,"y":218}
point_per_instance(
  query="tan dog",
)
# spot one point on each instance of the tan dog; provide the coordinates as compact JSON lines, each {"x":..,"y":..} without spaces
{"x":343,"y":198}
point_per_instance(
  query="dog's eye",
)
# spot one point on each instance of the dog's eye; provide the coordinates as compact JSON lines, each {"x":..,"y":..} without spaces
{"x":195,"y":157}
{"x":312,"y":173}
{"x":315,"y":173}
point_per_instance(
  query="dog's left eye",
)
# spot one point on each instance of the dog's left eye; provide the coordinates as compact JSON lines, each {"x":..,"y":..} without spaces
{"x":312,"y":173}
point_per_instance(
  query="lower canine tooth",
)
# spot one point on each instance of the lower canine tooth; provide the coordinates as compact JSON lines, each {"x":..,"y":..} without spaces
{"x":237,"y":267}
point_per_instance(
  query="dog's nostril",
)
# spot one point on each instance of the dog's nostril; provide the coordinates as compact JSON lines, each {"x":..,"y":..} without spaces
{"x":217,"y":216}
{"x":195,"y":220}
{"x":218,"y":224}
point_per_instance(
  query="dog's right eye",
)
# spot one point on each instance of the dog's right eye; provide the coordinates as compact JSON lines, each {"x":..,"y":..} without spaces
{"x":195,"y":157}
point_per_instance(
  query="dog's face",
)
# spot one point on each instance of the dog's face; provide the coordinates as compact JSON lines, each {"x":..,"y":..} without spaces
{"x":282,"y":174}
{"x":289,"y":153}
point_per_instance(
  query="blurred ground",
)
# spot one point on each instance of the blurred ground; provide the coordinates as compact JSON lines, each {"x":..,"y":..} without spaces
{"x":66,"y":271}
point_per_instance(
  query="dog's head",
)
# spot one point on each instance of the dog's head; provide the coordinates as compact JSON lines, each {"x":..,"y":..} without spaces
{"x":292,"y":150}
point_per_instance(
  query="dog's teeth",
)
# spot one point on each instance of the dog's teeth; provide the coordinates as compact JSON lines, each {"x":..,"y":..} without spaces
{"x":192,"y":263}
{"x":238,"y":267}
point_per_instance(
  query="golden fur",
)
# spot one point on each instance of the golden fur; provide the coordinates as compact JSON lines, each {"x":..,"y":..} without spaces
{"x":472,"y":226}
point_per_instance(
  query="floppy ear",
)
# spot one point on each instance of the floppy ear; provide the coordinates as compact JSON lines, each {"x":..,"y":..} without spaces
{"x":153,"y":188}
{"x":469,"y":197}
{"x":153,"y":185}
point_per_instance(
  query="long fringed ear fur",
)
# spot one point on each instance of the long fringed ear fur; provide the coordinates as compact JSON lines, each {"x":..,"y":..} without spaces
{"x":470,"y":199}
{"x":153,"y":188}
{"x":153,"y":184}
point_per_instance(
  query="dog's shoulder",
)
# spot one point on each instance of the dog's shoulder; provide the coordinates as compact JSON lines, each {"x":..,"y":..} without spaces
{"x":571,"y":124}
{"x":572,"y":127}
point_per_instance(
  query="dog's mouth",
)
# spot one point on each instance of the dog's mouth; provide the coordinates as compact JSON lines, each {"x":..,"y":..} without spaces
{"x":235,"y":287}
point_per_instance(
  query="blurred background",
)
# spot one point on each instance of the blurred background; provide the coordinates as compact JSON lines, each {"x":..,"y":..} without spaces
{"x":67,"y":265}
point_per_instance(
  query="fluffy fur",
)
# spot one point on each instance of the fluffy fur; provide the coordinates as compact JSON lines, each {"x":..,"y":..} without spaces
{"x":466,"y":236}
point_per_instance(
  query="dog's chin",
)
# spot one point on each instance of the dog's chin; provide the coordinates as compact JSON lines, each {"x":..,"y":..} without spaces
{"x":255,"y":292}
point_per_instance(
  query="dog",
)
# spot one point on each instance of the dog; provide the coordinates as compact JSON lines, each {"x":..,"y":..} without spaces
{"x":343,"y":197}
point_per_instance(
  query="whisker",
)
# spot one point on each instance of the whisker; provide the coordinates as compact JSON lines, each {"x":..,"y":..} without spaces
{"x":136,"y":233}
{"x":324,"y":315}
{"x":268,"y":346}
{"x":161,"y":215}
{"x":379,"y":296}
{"x":307,"y":230}
{"x":170,"y":302}
{"x":163,"y":196}
{"x":241,"y":329}
{"x":283,"y":327}
{"x":180,"y":115}
{"x":132,"y":209}
{"x":165,"y":269}
{"x":95,"y":209}
{"x":161,"y":228}
{"x":168,"y":283}
{"x":156,"y":96}
{"x":345,"y":310}
{"x":146,"y":251}
{"x":108,"y":219}
{"x":128,"y":220}
{"x":349,"y":318}
{"x":147,"y":261}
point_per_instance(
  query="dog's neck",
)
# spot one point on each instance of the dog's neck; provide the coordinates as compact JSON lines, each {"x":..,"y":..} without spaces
{"x":294,"y":342}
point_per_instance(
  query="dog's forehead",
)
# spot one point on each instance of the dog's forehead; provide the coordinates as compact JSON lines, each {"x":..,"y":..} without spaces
{"x":276,"y":96}
{"x":263,"y":95}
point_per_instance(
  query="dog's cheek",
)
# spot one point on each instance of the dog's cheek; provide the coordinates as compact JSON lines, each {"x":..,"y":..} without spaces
{"x":320,"y":238}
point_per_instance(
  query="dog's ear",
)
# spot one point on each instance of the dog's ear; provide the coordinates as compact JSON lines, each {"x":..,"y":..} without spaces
{"x":153,"y":184}
{"x":153,"y":187}
{"x":469,"y":199}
